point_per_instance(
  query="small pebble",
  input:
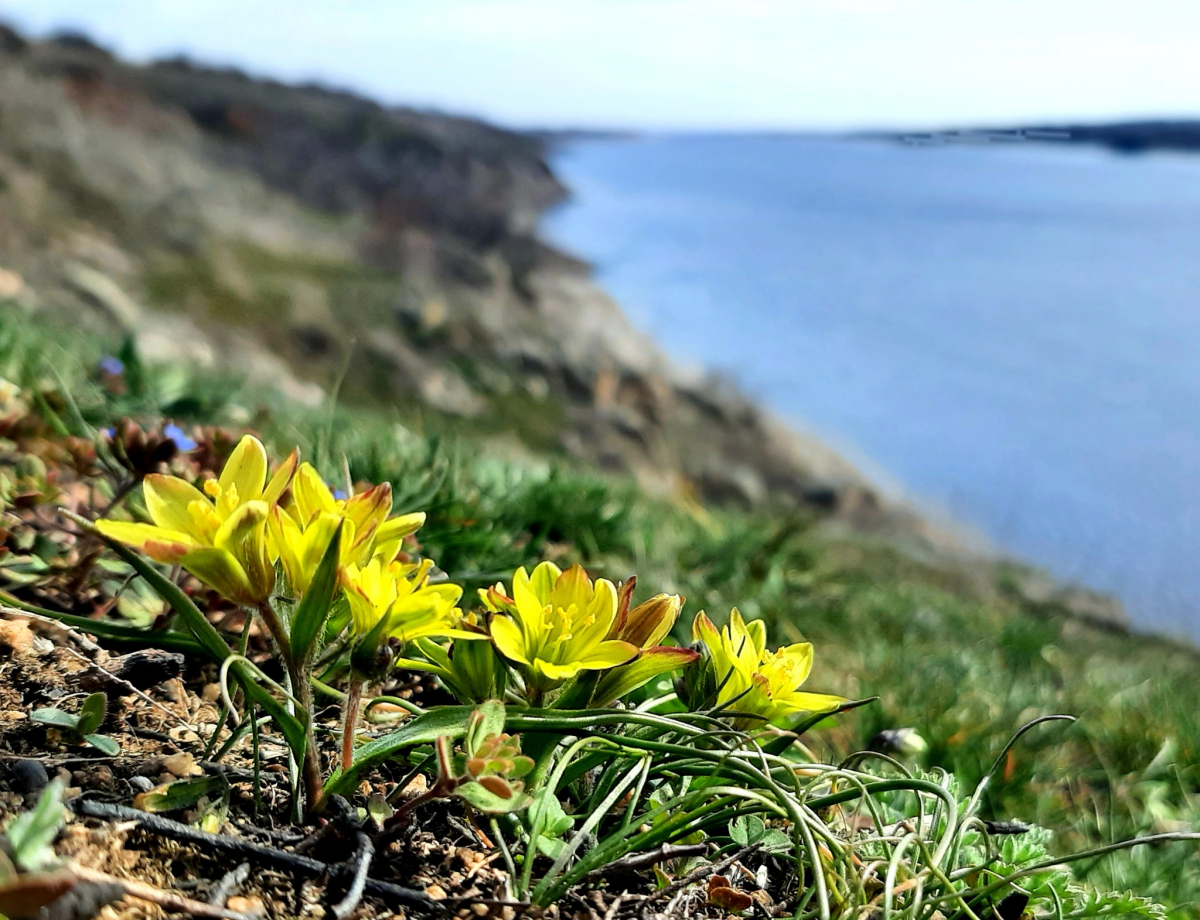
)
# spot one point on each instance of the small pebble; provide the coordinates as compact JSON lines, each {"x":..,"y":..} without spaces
{"x":29,"y":776}
{"x":245,"y":905}
{"x":141,"y":783}
{"x":181,"y":765}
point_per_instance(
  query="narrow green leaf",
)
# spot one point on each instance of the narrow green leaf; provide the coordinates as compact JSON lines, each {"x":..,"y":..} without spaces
{"x":312,"y":612}
{"x":103,"y":744}
{"x":91,"y":715}
{"x":450,"y":721}
{"x":55,"y":717}
{"x":291,"y":727}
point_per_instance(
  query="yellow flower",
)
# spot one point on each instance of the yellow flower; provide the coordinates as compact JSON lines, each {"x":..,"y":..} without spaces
{"x":300,"y":533}
{"x":754,"y":680}
{"x":556,"y":625}
{"x":414,"y":608}
{"x":219,"y":535}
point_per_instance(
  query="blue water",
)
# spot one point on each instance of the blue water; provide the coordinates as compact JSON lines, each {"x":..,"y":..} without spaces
{"x":1011,"y":332}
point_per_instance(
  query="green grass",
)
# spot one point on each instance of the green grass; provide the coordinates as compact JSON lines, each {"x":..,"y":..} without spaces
{"x":949,"y":651}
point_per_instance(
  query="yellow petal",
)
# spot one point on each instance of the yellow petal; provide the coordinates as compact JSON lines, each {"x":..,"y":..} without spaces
{"x":704,"y":631}
{"x":159,"y":544}
{"x":308,"y":548}
{"x":311,"y":495}
{"x":528,"y":605}
{"x":496,"y":598}
{"x":608,"y":654}
{"x":282,"y":478}
{"x":218,"y":569}
{"x":241,"y":525}
{"x":390,"y":535}
{"x":757,"y":630}
{"x":573,"y":587}
{"x":556,"y":672}
{"x":545,"y":575}
{"x":800,"y":657}
{"x":369,"y":509}
{"x":246,"y":469}
{"x":509,"y":639}
{"x":602,"y":604}
{"x":167,"y":500}
{"x":362,"y":611}
{"x":741,"y":643}
{"x":446,"y":594}
{"x":244,"y":534}
{"x":284,"y":542}
{"x":597,"y":619}
{"x":813,"y":702}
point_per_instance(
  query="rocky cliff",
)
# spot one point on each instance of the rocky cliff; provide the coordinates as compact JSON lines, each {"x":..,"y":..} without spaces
{"x":294,"y":233}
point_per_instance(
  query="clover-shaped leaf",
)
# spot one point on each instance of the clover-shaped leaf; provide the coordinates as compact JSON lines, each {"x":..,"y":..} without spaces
{"x":750,"y":830}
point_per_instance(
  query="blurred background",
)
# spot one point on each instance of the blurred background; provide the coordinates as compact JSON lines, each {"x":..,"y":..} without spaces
{"x":957,"y":245}
{"x":876,"y":318}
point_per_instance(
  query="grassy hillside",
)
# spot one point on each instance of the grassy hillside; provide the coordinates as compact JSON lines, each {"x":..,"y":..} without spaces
{"x":950,"y":648}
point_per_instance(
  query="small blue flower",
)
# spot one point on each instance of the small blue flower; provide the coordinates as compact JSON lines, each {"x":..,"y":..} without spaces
{"x":108,"y":432}
{"x":339,"y":495}
{"x":176,"y":434}
{"x":114,"y":367}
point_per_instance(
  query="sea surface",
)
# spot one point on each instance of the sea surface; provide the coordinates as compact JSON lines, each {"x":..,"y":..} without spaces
{"x":1011,"y":331}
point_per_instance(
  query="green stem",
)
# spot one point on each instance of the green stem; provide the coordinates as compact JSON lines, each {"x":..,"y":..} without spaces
{"x":303,"y":691}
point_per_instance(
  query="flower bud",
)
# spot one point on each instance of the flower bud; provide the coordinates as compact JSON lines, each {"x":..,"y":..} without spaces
{"x":697,"y":686}
{"x":647,"y":624}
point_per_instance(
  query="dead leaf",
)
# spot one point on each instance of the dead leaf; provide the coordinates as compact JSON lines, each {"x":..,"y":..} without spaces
{"x":723,"y":894}
{"x":27,"y":894}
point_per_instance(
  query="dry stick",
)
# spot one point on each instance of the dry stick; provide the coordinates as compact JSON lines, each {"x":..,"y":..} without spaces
{"x":265,"y":855}
{"x":167,"y":899}
{"x":614,"y":907}
{"x":653,"y":857}
{"x":228,"y":884}
{"x":362,"y":864}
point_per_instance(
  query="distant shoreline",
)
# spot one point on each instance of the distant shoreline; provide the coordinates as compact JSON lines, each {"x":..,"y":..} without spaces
{"x":1128,"y":137}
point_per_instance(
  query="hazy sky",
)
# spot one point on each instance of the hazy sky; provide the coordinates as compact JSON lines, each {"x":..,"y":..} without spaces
{"x":690,"y":63}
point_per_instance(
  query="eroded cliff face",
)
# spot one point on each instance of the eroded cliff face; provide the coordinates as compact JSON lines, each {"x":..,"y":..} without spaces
{"x":293,"y":232}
